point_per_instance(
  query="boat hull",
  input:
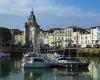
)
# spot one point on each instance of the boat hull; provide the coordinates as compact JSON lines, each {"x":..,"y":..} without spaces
{"x":70,"y":65}
{"x":36,"y":65}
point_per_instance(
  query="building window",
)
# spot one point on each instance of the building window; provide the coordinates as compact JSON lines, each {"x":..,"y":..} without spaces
{"x":85,"y":41}
{"x":58,"y":38}
{"x":62,"y":38}
{"x":92,"y":41}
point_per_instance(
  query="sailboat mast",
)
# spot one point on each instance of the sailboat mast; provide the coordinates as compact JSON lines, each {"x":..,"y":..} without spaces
{"x":0,"y":46}
{"x":38,"y":42}
{"x":69,"y":47}
{"x":1,"y":42}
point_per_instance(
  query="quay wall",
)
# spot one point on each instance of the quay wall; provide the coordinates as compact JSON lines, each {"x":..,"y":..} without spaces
{"x":81,"y":52}
{"x":93,"y":52}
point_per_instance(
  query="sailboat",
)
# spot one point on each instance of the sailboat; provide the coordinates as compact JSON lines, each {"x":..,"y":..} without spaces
{"x":67,"y":59}
{"x":70,"y":62}
{"x":36,"y":62}
{"x":35,"y":59}
{"x":32,"y":60}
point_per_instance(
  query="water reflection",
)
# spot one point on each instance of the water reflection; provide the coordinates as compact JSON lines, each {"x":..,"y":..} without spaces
{"x":30,"y":74}
{"x":10,"y":69}
{"x":54,"y":74}
{"x":94,"y":68}
{"x":4,"y":70}
{"x":8,"y":66}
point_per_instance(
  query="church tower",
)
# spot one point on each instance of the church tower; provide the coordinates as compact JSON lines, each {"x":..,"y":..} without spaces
{"x":32,"y":31}
{"x":32,"y":19}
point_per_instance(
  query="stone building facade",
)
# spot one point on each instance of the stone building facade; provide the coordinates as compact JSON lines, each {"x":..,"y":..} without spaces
{"x":5,"y":37}
{"x":19,"y":39}
{"x":32,"y":32}
{"x":17,"y":35}
{"x":73,"y":35}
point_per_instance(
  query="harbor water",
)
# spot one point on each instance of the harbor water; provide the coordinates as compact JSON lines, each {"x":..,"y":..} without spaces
{"x":11,"y":69}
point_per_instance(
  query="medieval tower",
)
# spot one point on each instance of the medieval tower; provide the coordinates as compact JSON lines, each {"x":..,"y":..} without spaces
{"x":32,"y":32}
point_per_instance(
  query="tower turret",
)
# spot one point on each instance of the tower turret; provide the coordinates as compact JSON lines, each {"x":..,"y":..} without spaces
{"x":32,"y":19}
{"x":32,"y":31}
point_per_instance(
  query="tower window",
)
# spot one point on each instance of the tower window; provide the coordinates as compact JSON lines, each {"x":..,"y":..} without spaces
{"x":30,"y":23}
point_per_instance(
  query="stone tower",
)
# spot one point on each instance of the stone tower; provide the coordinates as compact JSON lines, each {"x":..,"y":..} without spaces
{"x":32,"y":32}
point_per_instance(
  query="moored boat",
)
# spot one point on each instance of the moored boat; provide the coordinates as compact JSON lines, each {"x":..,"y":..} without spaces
{"x":36,"y":62}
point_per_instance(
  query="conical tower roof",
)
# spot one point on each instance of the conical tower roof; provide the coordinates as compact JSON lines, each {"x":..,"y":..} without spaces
{"x":32,"y":17}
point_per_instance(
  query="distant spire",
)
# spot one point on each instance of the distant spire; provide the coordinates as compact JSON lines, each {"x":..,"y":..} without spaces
{"x":32,"y":11}
{"x":32,"y":17}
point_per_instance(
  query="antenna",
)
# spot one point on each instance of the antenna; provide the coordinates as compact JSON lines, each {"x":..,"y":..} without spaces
{"x":32,"y":11}
{"x":32,"y":8}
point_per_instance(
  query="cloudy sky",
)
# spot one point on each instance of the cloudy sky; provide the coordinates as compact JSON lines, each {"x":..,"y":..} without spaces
{"x":50,"y":13}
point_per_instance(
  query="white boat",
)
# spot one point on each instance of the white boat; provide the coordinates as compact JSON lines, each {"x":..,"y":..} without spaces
{"x":34,"y":59}
{"x":53,"y":57}
{"x":62,"y":59}
{"x":27,"y":56}
{"x":35,"y":62}
{"x":67,"y":60}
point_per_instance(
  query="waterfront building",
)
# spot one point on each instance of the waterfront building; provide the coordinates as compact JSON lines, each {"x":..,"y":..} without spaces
{"x":58,"y":37}
{"x":19,"y":39}
{"x":89,"y":37}
{"x":68,"y":36}
{"x":85,"y":39}
{"x":53,"y":37}
{"x":95,"y":35}
{"x":47,"y":38}
{"x":14,"y":33}
{"x":31,"y":32}
{"x":76,"y":36}
{"x":5,"y":37}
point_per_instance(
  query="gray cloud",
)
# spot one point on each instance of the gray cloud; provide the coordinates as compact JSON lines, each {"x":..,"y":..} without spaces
{"x":22,"y":7}
{"x":50,"y":12}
